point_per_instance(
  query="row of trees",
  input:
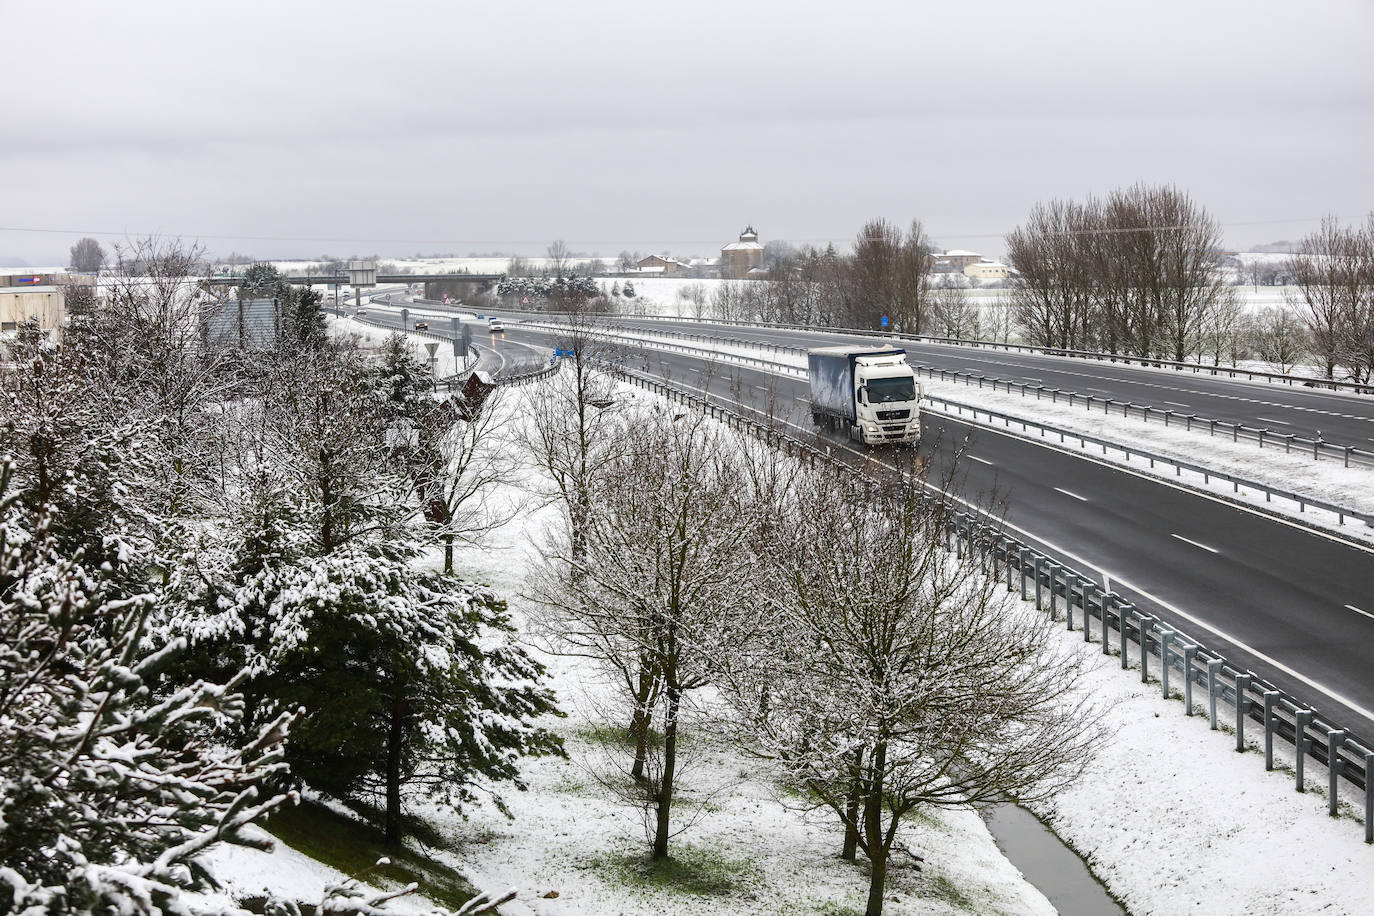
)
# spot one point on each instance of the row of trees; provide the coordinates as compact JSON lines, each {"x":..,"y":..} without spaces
{"x":207,"y":549}
{"x":1137,"y":272}
{"x":1333,"y":270}
{"x":812,"y":617}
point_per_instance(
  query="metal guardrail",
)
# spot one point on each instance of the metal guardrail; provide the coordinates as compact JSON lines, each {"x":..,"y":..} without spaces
{"x":1179,"y":465}
{"x":673,"y":348}
{"x":1253,"y":699}
{"x":1344,"y":453}
{"x":1195,"y":368}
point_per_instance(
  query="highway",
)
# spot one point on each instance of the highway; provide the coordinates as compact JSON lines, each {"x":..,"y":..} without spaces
{"x":1346,"y":419}
{"x":1291,"y":604}
{"x":497,"y":354}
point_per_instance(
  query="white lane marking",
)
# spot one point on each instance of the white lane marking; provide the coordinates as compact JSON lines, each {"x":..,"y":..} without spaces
{"x":980,"y":460}
{"x":1130,"y":586}
{"x":1074,"y":495}
{"x":1176,"y":403}
{"x":1195,"y":543}
{"x":1358,"y":611}
{"x":1269,"y":420}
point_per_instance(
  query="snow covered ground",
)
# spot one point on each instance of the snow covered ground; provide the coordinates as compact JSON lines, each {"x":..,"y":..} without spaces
{"x":573,"y":837}
{"x":1174,"y":820}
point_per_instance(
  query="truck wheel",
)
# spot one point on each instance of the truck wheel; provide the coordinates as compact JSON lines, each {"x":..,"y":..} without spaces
{"x":817,"y":419}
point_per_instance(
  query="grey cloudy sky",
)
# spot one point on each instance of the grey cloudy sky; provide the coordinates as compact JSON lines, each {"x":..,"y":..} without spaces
{"x":399,"y":127}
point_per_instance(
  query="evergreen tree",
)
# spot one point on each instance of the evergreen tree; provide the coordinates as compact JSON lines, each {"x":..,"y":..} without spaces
{"x":109,"y":790}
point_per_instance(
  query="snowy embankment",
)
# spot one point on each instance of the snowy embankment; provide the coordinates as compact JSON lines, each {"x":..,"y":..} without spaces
{"x":573,"y":847}
{"x":1296,"y":472}
{"x":1174,"y":820}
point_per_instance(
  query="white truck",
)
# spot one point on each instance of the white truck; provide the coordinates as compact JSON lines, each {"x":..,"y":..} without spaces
{"x":869,"y":392}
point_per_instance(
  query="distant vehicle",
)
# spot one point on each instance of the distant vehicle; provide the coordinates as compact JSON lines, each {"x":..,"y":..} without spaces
{"x":361,"y":312}
{"x":422,"y":325}
{"x":495,"y":326}
{"x":869,"y":392}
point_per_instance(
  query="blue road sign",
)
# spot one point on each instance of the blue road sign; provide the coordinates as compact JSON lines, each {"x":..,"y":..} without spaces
{"x":884,"y":321}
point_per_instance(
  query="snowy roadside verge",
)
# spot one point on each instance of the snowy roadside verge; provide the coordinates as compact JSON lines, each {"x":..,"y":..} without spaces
{"x":761,"y":853}
{"x":1174,"y":820}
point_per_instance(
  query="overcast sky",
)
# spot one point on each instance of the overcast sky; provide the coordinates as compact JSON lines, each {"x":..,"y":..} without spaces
{"x":397,"y":127}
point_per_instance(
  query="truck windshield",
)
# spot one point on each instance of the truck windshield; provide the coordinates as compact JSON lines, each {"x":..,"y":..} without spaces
{"x":885,"y":390}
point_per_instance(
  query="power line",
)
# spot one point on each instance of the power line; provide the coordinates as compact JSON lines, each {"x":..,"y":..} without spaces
{"x":715,"y":241}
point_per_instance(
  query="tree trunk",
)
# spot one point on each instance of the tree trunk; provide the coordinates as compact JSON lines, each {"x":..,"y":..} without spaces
{"x":394,"y":740}
{"x":851,"y":809}
{"x":873,"y":832}
{"x":641,"y":722}
{"x":665,"y":790}
{"x":448,"y":553}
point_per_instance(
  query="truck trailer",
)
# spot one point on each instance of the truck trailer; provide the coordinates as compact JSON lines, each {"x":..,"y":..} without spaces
{"x":869,"y":392}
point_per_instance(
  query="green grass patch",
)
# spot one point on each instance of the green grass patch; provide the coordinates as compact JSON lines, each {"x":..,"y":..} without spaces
{"x":618,"y":736}
{"x":839,"y":909}
{"x":352,"y":846}
{"x":690,"y":869}
{"x":945,"y":889}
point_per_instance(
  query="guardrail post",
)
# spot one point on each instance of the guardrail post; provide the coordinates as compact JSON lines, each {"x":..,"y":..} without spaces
{"x":1088,"y":589}
{"x":1115,"y":601}
{"x":1189,"y":653}
{"x":1334,"y":765}
{"x":1039,"y":586}
{"x":1302,"y":718}
{"x":1069,"y":580}
{"x":1369,"y":796}
{"x":1024,"y":551}
{"x":1270,"y":698}
{"x":1123,"y":614}
{"x":1145,"y":620}
{"x":1054,"y":596}
{"x":1213,"y":669}
{"x":1166,"y":636}
{"x":1242,"y":703}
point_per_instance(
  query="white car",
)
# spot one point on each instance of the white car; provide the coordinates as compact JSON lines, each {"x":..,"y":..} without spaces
{"x":495,"y":326}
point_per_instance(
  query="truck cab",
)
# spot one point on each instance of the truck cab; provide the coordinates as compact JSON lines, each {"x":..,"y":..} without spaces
{"x":885,"y":400}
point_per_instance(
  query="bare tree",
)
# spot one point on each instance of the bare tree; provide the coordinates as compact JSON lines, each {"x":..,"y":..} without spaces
{"x":892,"y":676}
{"x":87,"y":256}
{"x":1053,"y":284}
{"x":952,"y":314}
{"x":1279,"y":337}
{"x":665,"y":563}
{"x":696,"y":297}
{"x":558,"y":257}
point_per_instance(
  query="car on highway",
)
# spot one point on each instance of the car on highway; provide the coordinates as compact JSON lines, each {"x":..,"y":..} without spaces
{"x":496,"y":327}
{"x":360,"y":312}
{"x":422,"y":325}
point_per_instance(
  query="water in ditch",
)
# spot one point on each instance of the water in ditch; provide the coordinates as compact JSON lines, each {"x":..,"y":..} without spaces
{"x":1054,"y":869}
